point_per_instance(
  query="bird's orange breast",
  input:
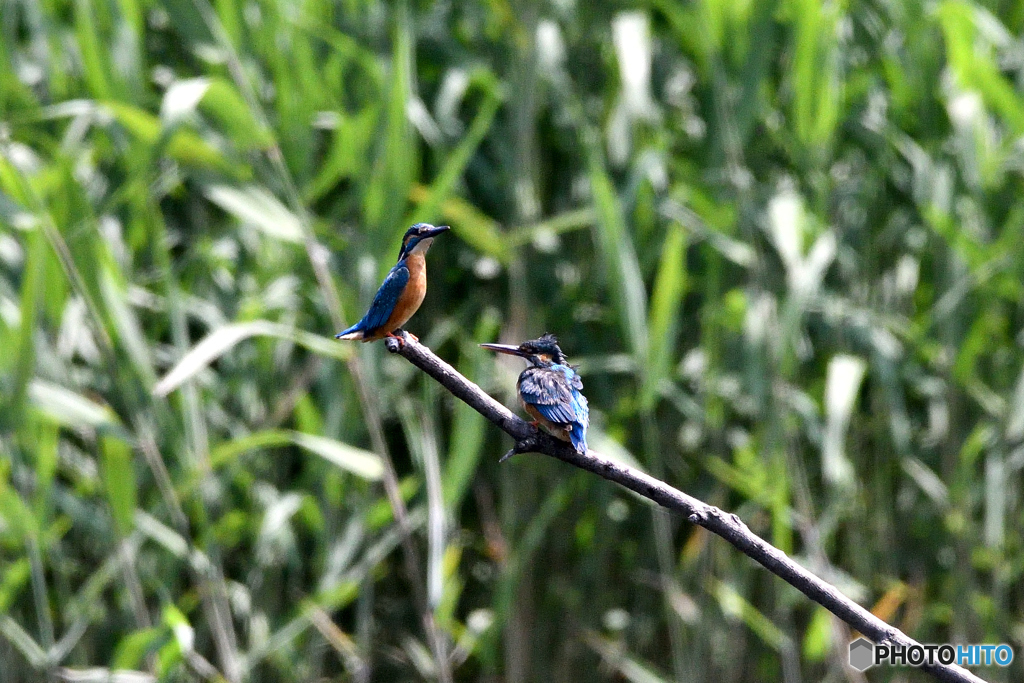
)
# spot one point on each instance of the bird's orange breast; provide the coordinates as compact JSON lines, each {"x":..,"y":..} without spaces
{"x":410,"y":299}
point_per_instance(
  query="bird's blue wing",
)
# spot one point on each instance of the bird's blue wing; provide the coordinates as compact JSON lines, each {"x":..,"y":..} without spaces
{"x":556,"y":393}
{"x":575,"y":383}
{"x":386,"y":298}
{"x":549,"y":392}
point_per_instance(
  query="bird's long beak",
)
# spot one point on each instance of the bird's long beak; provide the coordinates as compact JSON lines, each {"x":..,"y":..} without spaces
{"x":503,"y":348}
{"x":435,"y":231}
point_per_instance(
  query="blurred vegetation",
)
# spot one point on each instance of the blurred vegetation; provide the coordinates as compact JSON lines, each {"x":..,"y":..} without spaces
{"x":783,"y":239}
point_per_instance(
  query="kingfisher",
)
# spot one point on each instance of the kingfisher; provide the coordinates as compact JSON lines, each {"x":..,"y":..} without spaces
{"x":402,"y":291}
{"x":551,"y":390}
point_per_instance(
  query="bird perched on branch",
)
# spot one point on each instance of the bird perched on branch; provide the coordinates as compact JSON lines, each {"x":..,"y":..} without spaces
{"x":551,"y":390}
{"x":402,"y":291}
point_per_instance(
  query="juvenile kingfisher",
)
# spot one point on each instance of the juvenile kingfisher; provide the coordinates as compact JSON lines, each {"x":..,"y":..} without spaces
{"x":402,"y":291}
{"x":551,"y":390}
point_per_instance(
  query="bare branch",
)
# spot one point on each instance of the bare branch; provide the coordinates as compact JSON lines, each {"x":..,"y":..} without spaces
{"x":728,"y":526}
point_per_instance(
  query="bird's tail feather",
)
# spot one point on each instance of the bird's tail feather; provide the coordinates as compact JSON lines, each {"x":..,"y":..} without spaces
{"x":578,"y":433}
{"x":354,"y":332}
{"x":578,"y":437}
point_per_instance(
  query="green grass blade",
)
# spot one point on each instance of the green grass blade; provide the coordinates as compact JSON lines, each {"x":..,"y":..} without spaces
{"x":666,"y":309}
{"x":469,"y":428}
{"x":455,"y":164}
{"x":31,"y":291}
{"x":119,"y":481}
{"x":617,"y":252}
{"x":223,"y":339}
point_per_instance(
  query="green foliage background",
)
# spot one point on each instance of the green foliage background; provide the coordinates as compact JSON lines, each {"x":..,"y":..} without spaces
{"x":783,"y":240}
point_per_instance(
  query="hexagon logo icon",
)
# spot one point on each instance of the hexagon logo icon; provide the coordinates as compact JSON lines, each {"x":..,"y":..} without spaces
{"x":862,"y":654}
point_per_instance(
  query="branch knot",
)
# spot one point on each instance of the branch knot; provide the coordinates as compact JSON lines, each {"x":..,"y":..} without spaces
{"x":526,"y":445}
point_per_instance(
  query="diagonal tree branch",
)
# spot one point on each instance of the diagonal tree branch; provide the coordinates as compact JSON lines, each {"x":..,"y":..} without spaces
{"x":715,"y":520}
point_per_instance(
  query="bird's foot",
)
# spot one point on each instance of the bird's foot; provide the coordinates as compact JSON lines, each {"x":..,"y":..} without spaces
{"x":396,"y":340}
{"x":524,"y":446}
{"x":535,"y":424}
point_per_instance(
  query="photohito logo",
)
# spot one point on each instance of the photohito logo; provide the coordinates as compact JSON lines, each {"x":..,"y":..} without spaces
{"x":864,"y":654}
